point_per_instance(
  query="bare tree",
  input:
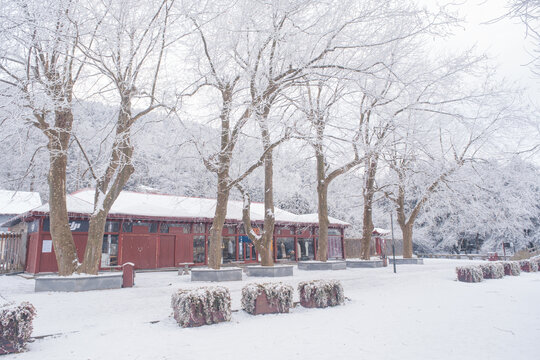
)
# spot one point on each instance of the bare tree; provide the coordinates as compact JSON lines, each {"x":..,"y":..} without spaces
{"x":428,"y":150}
{"x":328,"y":130}
{"x":129,"y":46}
{"x":40,"y":65}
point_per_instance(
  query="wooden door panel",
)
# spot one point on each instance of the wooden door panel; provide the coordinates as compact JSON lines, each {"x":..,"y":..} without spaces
{"x":140,"y":250}
{"x":166,"y":251}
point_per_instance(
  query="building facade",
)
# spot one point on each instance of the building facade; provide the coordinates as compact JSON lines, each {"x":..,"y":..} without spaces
{"x":160,"y":231}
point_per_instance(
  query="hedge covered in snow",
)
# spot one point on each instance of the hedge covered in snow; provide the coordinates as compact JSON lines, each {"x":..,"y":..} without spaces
{"x":15,"y":326}
{"x":492,"y":270}
{"x":528,"y":265}
{"x":321,"y":293}
{"x":471,"y":273}
{"x":204,"y":305}
{"x":279,"y":297}
{"x":511,"y":268}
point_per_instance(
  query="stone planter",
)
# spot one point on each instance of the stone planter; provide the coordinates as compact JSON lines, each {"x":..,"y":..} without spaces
{"x":197,"y":318}
{"x":411,"y":261}
{"x":79,"y":283}
{"x":8,"y":347}
{"x":268,"y":298}
{"x":320,"y":265}
{"x":263,"y":306}
{"x":320,"y":293}
{"x":201,"y":306}
{"x":364,"y":263}
{"x":270,"y":271}
{"x":224,"y":274}
{"x":471,"y":274}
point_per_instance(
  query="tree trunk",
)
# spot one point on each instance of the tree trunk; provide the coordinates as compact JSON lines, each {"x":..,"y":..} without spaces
{"x":216,"y":231}
{"x":267,"y":257}
{"x":407,"y":231}
{"x":368,"y":194}
{"x":64,"y":247}
{"x":322,"y":246}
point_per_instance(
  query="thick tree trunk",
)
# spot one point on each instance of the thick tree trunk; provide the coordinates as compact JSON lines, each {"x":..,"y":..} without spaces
{"x":407,"y":231}
{"x":322,"y":246}
{"x":368,"y":194}
{"x":267,"y":257}
{"x":92,"y":254}
{"x":216,"y":231}
{"x":64,"y":247}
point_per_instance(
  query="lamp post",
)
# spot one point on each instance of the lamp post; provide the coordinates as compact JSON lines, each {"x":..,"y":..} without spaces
{"x":393,"y":244}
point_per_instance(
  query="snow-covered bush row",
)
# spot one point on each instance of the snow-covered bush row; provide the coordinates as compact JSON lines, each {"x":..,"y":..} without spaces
{"x":321,"y":293}
{"x":15,"y":326}
{"x":528,"y":265}
{"x":536,"y":259}
{"x":278,"y":296}
{"x":204,"y":305}
{"x":511,"y":268}
{"x":471,"y":273}
{"x":492,"y":270}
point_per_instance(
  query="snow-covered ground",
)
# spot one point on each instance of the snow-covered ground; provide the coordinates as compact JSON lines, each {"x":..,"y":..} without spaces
{"x":419,"y":313}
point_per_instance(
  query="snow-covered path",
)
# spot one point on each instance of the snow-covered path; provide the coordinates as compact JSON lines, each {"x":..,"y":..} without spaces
{"x":420,"y":312}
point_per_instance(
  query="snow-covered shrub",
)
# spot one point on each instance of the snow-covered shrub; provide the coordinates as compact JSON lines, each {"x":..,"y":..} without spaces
{"x":536,"y":259}
{"x":204,"y":305}
{"x":321,"y":293}
{"x":511,"y":268}
{"x":471,"y":273}
{"x":279,"y":297}
{"x":15,"y":326}
{"x":492,"y":270}
{"x":528,"y":265}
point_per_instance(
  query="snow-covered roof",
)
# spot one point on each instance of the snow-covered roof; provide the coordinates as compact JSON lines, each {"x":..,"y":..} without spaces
{"x":18,"y":202}
{"x":314,"y":218}
{"x":379,"y":231}
{"x":135,"y":204}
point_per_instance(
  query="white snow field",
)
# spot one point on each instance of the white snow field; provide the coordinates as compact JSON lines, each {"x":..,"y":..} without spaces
{"x":421,"y":312}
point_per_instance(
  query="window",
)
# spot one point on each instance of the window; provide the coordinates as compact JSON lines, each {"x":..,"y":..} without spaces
{"x":229,"y":249}
{"x":127,"y":227}
{"x":231,"y":229}
{"x":334,"y":232}
{"x":112,"y":226}
{"x":109,"y":251}
{"x":305,"y":249}
{"x":198,"y":228}
{"x":199,"y":249}
{"x":33,"y":226}
{"x":285,"y":248}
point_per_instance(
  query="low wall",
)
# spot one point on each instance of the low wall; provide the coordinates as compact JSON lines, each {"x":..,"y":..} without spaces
{"x":78,"y":283}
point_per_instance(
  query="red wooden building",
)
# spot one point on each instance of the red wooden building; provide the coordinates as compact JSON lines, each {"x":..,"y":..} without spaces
{"x":161,"y":231}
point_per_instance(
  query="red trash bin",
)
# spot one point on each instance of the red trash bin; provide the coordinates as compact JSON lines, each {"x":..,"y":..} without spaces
{"x":128,"y":274}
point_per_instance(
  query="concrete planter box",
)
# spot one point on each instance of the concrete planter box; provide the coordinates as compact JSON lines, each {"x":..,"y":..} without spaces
{"x":270,"y":271}
{"x":413,"y":261}
{"x":79,"y":283}
{"x":224,"y":274}
{"x":320,"y":265}
{"x":364,"y":263}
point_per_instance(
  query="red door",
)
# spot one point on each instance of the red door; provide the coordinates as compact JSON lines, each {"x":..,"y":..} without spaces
{"x":140,"y":250}
{"x":166,"y":251}
{"x":183,"y":248}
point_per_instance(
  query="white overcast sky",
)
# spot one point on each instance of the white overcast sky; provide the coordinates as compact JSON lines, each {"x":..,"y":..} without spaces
{"x":504,"y":41}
